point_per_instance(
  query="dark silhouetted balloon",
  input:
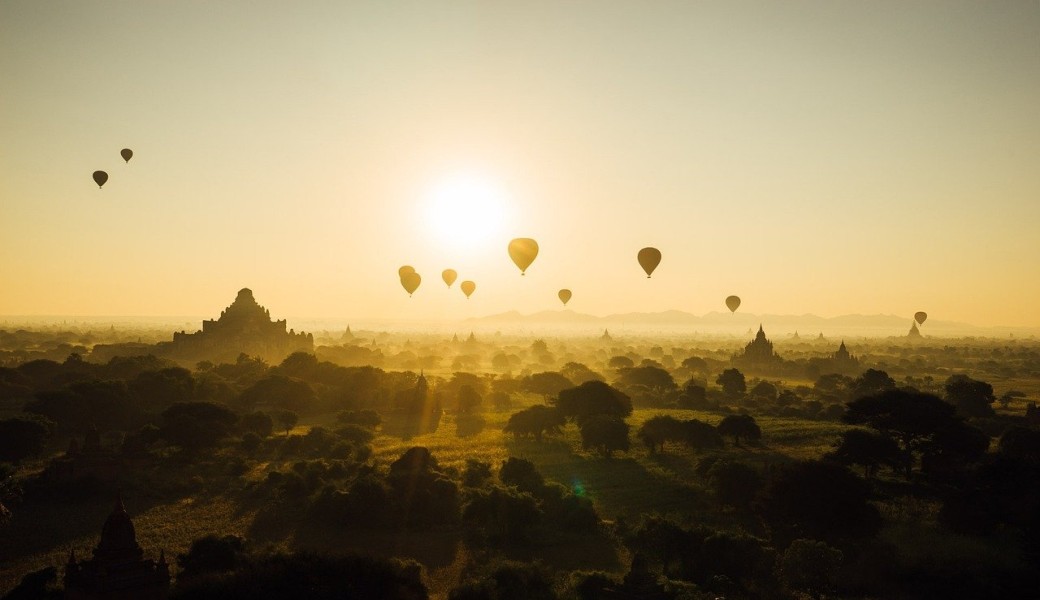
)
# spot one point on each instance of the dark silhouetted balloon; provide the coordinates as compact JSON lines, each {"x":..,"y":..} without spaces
{"x":449,"y":276}
{"x":565,"y":296}
{"x":523,"y":251}
{"x":920,"y":317}
{"x":127,"y":154}
{"x":733,"y":303}
{"x":410,"y":282}
{"x":100,"y":177}
{"x":649,"y":258}
{"x":468,"y":287}
{"x":405,"y":269}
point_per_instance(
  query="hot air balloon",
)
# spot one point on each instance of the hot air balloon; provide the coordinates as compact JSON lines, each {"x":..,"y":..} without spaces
{"x":100,"y":177}
{"x":649,"y":258}
{"x":405,"y":269}
{"x":410,"y":282}
{"x":565,"y":296}
{"x":920,"y":317}
{"x":468,"y":287}
{"x":127,"y":154}
{"x":449,"y":276}
{"x":733,"y":303}
{"x":523,"y":252}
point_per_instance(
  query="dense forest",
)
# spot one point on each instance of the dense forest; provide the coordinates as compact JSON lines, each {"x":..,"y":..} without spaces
{"x":397,"y":466}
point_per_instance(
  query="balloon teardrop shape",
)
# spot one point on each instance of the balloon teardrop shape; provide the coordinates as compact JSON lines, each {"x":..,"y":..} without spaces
{"x":733,"y":303}
{"x":405,"y":269}
{"x":565,"y":296}
{"x":449,"y":276}
{"x":410,"y":282}
{"x":468,"y":287}
{"x":920,"y":317}
{"x":100,"y":177}
{"x":523,"y":251}
{"x":649,"y":258}
{"x":127,"y":154}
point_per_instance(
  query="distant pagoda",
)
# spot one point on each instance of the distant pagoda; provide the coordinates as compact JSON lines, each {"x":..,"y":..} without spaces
{"x":843,"y":360}
{"x":243,"y":327}
{"x":914,"y":331}
{"x":759,"y":353}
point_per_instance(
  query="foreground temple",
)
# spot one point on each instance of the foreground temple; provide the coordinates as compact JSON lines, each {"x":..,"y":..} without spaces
{"x":244,"y":327}
{"x":118,"y":569}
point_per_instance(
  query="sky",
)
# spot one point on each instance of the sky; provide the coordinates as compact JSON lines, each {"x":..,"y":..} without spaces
{"x":829,"y":157}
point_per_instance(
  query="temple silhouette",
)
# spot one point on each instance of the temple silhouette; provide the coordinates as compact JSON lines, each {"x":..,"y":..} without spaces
{"x":243,"y":327}
{"x":118,"y":569}
{"x":759,"y":354}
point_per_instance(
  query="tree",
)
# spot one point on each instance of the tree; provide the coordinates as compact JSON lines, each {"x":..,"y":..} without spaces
{"x":1021,"y":443}
{"x":658,"y":430}
{"x":740,"y":426}
{"x":211,"y":554}
{"x":522,"y":474}
{"x":735,"y":483}
{"x":764,"y":392}
{"x":971,"y":397}
{"x":279,"y":391}
{"x":535,"y":421}
{"x":872,"y":382}
{"x":695,"y":364}
{"x":620,"y":362}
{"x":867,"y":449}
{"x":194,"y":426}
{"x":654,"y":378}
{"x":593,"y":398}
{"x":604,"y":433}
{"x":818,"y":500}
{"x":810,"y":566}
{"x":21,"y":439}
{"x":694,"y":396}
{"x":547,"y":384}
{"x":257,"y":422}
{"x":164,"y":387}
{"x":288,"y":419}
{"x":732,"y":383}
{"x":699,"y":435}
{"x":1009,"y":396}
{"x":579,"y":373}
{"x":911,"y":418}
{"x":469,"y":400}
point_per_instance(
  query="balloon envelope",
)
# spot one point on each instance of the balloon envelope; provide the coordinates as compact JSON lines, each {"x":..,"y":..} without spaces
{"x":100,"y":177}
{"x":405,"y":269}
{"x":449,"y":276}
{"x":649,"y":258}
{"x":523,"y":252}
{"x":733,"y":303}
{"x":920,"y":317}
{"x":127,"y":154}
{"x":410,"y":282}
{"x":468,"y":287}
{"x":565,"y":296}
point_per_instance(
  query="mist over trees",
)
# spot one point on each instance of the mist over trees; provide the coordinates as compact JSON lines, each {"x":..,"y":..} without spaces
{"x":776,"y":482}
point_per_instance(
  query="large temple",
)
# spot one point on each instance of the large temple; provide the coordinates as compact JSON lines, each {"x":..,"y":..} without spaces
{"x":118,"y":569}
{"x":244,"y":327}
{"x":759,"y":354}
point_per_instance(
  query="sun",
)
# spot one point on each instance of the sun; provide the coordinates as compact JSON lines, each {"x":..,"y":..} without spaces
{"x":465,"y":209}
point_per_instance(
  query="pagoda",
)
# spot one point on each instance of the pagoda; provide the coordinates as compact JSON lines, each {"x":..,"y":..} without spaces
{"x":759,"y":353}
{"x":118,"y":569}
{"x":914,"y":331}
{"x":243,"y":327}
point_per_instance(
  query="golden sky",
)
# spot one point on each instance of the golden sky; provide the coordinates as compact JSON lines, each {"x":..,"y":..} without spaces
{"x":825,"y":157}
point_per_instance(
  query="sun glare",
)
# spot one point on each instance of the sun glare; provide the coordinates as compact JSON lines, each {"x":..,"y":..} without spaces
{"x":465,"y":209}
